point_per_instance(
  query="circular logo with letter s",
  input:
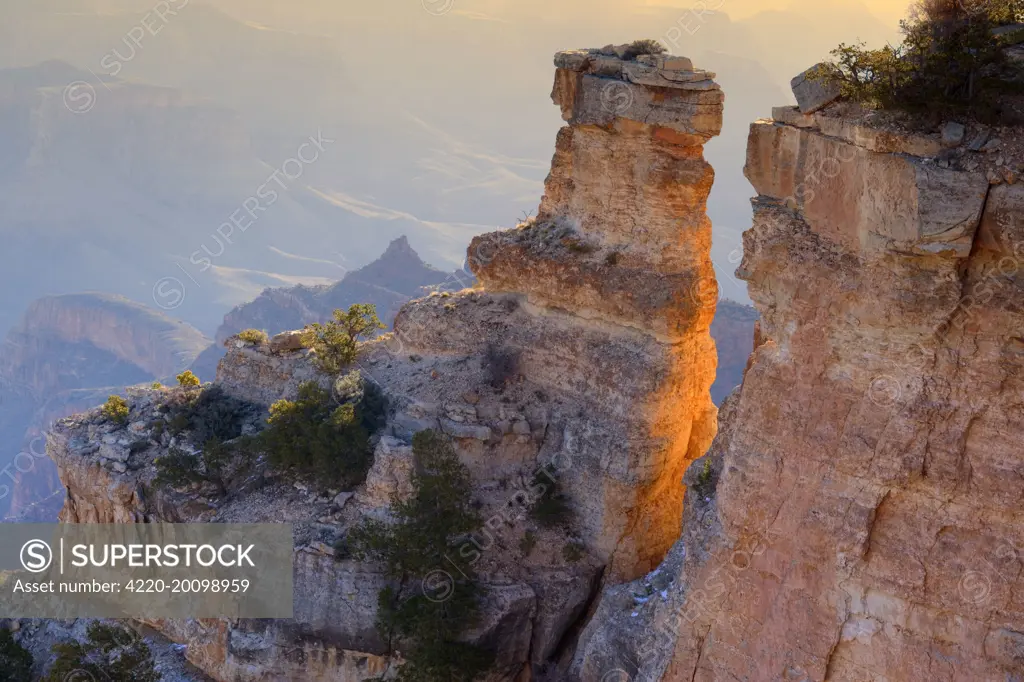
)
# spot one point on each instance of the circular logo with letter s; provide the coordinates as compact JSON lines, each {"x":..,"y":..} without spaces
{"x":36,"y":556}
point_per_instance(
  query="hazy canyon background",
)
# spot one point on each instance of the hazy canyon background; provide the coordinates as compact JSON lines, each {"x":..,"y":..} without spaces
{"x":180,"y":157}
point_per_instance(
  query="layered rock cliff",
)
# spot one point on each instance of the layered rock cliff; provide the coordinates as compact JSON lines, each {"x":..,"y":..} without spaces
{"x":858,"y":516}
{"x":585,"y":350}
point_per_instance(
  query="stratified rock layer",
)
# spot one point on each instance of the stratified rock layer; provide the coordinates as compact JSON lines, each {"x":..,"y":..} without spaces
{"x":858,"y":517}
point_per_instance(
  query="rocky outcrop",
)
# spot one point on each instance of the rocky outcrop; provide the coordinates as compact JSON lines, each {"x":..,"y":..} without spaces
{"x":858,"y":514}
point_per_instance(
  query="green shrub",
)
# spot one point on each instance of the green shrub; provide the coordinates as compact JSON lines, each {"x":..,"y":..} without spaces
{"x":706,"y":483}
{"x":215,"y":415}
{"x":316,"y":439}
{"x":254,"y":336}
{"x":15,"y":660}
{"x":370,"y":401}
{"x":116,"y":409}
{"x":156,"y":386}
{"x":188,"y":380}
{"x":178,"y":468}
{"x":949,"y":62}
{"x":643,"y":46}
{"x":110,"y":653}
{"x":210,"y":414}
{"x":412,"y":551}
{"x":336,"y":343}
{"x":551,"y":508}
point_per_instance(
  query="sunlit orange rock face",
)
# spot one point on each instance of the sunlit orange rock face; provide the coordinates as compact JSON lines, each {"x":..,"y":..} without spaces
{"x":619,"y":253}
{"x":860,"y":518}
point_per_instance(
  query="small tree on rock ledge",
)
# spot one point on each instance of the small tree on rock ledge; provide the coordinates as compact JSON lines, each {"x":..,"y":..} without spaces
{"x":336,"y":342}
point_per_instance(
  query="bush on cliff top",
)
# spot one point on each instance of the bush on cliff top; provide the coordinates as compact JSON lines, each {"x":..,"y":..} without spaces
{"x":315,"y":438}
{"x":210,"y":414}
{"x":335,"y":344}
{"x":179,"y":468}
{"x":111,"y":653}
{"x":643,"y":46}
{"x":188,"y":380}
{"x":434,"y":603}
{"x":950,"y":62}
{"x":115,"y":409}
{"x":254,"y":336}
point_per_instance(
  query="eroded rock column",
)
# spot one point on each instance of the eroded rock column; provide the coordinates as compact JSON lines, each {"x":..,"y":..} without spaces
{"x":611,"y":293}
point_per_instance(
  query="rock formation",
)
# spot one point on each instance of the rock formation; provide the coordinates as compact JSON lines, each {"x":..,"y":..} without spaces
{"x":858,"y":516}
{"x":617,"y":291}
{"x":585,"y":349}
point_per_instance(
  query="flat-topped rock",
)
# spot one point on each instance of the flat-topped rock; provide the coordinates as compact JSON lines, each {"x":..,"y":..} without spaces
{"x":598,"y":87}
{"x":664,"y":71}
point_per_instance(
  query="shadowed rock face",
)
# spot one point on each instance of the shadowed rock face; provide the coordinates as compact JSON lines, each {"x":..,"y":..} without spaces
{"x":859,"y":515}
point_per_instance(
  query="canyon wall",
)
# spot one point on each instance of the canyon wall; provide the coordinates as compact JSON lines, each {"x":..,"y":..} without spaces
{"x":858,"y":516}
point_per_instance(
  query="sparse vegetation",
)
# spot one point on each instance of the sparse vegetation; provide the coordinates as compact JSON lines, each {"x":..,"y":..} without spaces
{"x":210,"y":414}
{"x":15,"y":660}
{"x":178,"y":468}
{"x":705,"y":485}
{"x":430,"y":607}
{"x":949,"y":63}
{"x":254,"y":336}
{"x":335,"y":344}
{"x":111,"y":653}
{"x":157,"y":386}
{"x":315,"y":438}
{"x":612,"y":258}
{"x":501,"y":366}
{"x":116,"y":409}
{"x":188,"y":380}
{"x":643,"y":46}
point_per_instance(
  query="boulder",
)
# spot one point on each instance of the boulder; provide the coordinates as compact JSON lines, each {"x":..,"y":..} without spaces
{"x":813,"y":93}
{"x":953,"y":134}
{"x":287,"y":341}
